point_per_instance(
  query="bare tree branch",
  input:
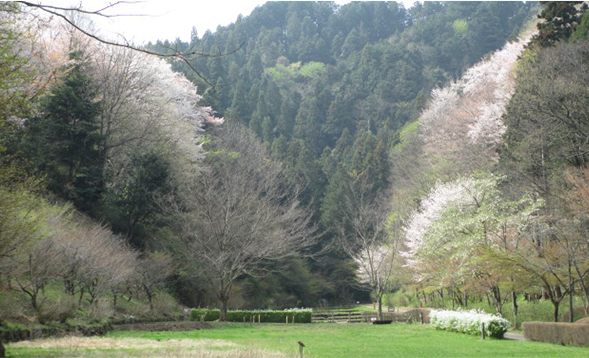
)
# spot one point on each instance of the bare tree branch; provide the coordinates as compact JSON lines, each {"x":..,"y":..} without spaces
{"x":99,"y":12}
{"x":178,"y":55}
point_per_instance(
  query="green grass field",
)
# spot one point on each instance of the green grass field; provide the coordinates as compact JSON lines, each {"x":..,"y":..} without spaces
{"x":321,"y":340}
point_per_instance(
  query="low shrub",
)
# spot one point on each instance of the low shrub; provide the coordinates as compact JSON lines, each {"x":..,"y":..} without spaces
{"x":298,"y":315}
{"x":11,"y":307}
{"x":165,"y":304}
{"x":570,"y":334}
{"x":101,"y":309}
{"x":58,"y":309}
{"x":14,"y":333}
{"x":401,"y":298}
{"x":204,"y":315}
{"x":469,"y":322}
{"x":397,"y":299}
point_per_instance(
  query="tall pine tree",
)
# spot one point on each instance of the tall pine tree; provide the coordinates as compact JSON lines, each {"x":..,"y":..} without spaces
{"x":67,"y":138}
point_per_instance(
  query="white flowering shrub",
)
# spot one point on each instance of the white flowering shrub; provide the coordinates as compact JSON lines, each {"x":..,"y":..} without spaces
{"x":469,"y":322}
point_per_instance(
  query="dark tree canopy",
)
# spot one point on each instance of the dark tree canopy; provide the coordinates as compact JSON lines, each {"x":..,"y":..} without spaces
{"x":66,"y":139}
{"x":560,"y":20}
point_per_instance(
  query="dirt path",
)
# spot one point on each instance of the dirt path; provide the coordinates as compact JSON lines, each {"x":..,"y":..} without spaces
{"x":514,"y":336}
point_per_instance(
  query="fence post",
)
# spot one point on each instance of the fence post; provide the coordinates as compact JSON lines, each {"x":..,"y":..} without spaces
{"x":301,"y":349}
{"x":484,"y":334}
{"x":420,"y":317}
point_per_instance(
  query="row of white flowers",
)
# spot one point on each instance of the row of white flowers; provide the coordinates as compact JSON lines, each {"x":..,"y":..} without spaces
{"x":469,"y":322}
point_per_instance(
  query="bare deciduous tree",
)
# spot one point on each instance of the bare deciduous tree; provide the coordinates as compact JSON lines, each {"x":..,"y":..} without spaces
{"x":364,"y":236}
{"x":153,"y":270}
{"x":241,"y":213}
{"x":37,"y":268}
{"x":93,"y":259}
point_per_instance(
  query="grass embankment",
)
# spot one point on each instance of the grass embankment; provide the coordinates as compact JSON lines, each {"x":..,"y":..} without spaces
{"x":321,"y":340}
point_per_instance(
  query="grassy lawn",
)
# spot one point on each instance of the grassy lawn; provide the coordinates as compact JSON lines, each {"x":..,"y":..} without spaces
{"x":321,"y":340}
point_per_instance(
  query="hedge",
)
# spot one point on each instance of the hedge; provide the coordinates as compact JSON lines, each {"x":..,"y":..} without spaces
{"x":204,"y":315}
{"x":298,"y":315}
{"x":469,"y":322}
{"x":570,"y":334}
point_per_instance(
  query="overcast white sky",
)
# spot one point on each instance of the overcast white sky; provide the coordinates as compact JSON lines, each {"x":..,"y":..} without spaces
{"x":168,"y":19}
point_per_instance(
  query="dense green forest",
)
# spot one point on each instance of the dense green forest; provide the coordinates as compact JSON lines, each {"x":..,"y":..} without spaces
{"x":328,"y":89}
{"x":316,"y":153}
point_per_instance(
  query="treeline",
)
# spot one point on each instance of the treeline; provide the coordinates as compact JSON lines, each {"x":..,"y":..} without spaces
{"x":327,"y":88}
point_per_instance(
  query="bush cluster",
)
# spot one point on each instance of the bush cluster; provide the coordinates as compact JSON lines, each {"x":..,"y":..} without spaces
{"x":299,"y":315}
{"x":204,"y":315}
{"x":469,"y":322}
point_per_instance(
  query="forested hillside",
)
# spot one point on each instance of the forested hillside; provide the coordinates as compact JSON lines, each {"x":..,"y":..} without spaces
{"x":314,"y":153}
{"x":328,"y":89}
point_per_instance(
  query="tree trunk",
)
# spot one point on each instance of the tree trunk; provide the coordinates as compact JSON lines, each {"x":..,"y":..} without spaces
{"x":558,"y":292}
{"x":515,"y":308}
{"x":81,"y":296}
{"x":380,"y":315}
{"x":149,"y":295}
{"x":2,"y":349}
{"x":498,"y":302}
{"x":458,"y":297}
{"x":224,"y":309}
{"x":583,"y":286}
{"x":114,"y":300}
{"x":453,"y":301}
{"x":556,"y":306}
{"x":571,"y":308}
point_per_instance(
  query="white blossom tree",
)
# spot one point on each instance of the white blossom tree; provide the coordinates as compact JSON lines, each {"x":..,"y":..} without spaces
{"x":450,"y":236}
{"x":462,"y":124}
{"x":460,"y":131}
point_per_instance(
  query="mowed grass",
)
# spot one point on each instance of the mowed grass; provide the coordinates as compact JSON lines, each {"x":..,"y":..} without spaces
{"x":321,"y":341}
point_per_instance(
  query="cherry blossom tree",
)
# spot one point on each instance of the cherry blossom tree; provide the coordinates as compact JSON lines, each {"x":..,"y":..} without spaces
{"x":457,"y":225}
{"x":460,"y":131}
{"x":462,"y":123}
{"x":145,"y":106}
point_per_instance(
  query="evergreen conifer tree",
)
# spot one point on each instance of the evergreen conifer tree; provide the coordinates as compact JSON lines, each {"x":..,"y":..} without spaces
{"x":68,"y":140}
